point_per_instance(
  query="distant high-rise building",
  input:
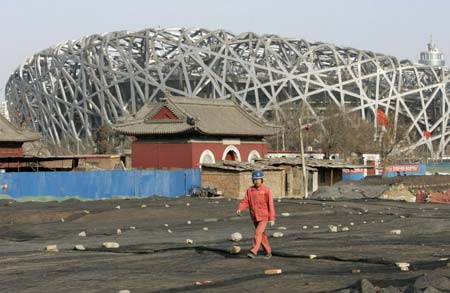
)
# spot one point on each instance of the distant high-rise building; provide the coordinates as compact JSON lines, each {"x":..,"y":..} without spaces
{"x":432,"y":57}
{"x":4,"y":109}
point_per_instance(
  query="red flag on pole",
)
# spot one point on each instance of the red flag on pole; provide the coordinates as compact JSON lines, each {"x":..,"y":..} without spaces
{"x":382,"y":118}
{"x":427,"y":134}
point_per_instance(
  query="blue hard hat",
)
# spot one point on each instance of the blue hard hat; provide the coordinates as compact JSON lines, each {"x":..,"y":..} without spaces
{"x":257,"y":174}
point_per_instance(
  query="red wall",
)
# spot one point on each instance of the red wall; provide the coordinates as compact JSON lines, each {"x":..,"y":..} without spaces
{"x":161,"y":155}
{"x":11,"y":150}
{"x":184,"y":154}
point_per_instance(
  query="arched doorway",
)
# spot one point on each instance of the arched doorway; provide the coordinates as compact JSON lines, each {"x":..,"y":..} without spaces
{"x":207,"y":157}
{"x":231,"y":153}
{"x":230,"y":156}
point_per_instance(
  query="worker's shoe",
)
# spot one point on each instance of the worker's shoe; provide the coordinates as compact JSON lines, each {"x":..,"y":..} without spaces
{"x":268,"y":256}
{"x":251,"y":255}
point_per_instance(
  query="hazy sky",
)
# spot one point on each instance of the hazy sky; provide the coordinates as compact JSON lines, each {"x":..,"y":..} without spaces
{"x":395,"y":27}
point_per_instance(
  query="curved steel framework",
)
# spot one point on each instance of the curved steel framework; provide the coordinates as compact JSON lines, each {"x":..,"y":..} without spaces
{"x":67,"y":90}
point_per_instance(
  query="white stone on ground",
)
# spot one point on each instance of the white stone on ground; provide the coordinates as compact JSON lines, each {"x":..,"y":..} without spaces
{"x":118,"y":231}
{"x":132,"y":228}
{"x":282,"y":228}
{"x":62,"y":220}
{"x":332,"y":228}
{"x":118,"y":207}
{"x":277,"y":235}
{"x":305,"y":227}
{"x":285,"y":214}
{"x":188,"y":222}
{"x":188,"y":204}
{"x":167,"y":206}
{"x":235,"y":249}
{"x":351,"y":223}
{"x":124,"y":291}
{"x":86,"y":212}
{"x":82,"y":234}
{"x":312,"y":256}
{"x":236,"y":236}
{"x":169,"y":231}
{"x":166,"y":225}
{"x":143,"y":205}
{"x":79,"y":247}
{"x":189,"y":241}
{"x":52,"y":248}
{"x":205,"y":228}
{"x":316,"y":227}
{"x":395,"y":232}
{"x":345,"y":229}
{"x":110,"y":245}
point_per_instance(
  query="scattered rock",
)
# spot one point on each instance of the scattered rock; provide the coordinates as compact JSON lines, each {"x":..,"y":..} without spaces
{"x":305,"y":227}
{"x":279,"y":200}
{"x":312,"y":256}
{"x":345,"y":229}
{"x":52,"y":248}
{"x":404,"y":266}
{"x":82,"y":234}
{"x":210,"y":220}
{"x":285,"y":214}
{"x":277,"y":235}
{"x":118,"y":231}
{"x":316,"y":227}
{"x":364,"y":222}
{"x":189,"y":241}
{"x":356,"y":271}
{"x":143,"y":205}
{"x":110,"y":245}
{"x":118,"y":207}
{"x":62,"y":220}
{"x":166,"y":225}
{"x":169,"y":231}
{"x":282,"y":228}
{"x":402,"y":217}
{"x":132,"y":228}
{"x":201,"y":283}
{"x":167,"y":206}
{"x":124,"y":291}
{"x":395,"y":232}
{"x":359,"y":213}
{"x":235,"y":249}
{"x":332,"y":228}
{"x":273,"y":272}
{"x":188,"y":222}
{"x":86,"y":212}
{"x":205,"y":228}
{"x":381,"y":221}
{"x":79,"y":247}
{"x":352,"y":224}
{"x":236,"y":236}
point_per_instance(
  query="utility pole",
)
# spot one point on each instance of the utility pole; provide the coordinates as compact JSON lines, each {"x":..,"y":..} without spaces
{"x":302,"y":151}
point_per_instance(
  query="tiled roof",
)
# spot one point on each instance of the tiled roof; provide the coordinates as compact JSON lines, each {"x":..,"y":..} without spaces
{"x":241,"y":166}
{"x":314,"y":163}
{"x":206,"y":116}
{"x":11,"y":133}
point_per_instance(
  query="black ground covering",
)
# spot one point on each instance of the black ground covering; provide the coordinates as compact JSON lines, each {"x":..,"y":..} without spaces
{"x":150,"y":259}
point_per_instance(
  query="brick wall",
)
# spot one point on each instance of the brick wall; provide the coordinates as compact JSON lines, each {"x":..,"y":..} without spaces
{"x":11,"y":150}
{"x":234,"y":183}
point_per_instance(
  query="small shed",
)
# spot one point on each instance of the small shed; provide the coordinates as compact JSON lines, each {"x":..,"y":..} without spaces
{"x":330,"y":172}
{"x":294,"y":175}
{"x":233,"y":178}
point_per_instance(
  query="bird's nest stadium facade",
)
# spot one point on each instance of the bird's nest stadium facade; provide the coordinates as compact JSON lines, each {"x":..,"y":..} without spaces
{"x":68,"y":90}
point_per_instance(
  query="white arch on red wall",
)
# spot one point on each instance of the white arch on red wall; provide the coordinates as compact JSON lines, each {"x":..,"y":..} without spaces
{"x":234,"y":149}
{"x":253,"y":154}
{"x":205,"y":155}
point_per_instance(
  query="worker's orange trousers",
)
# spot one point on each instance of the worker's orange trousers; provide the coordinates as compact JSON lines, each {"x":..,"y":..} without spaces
{"x":260,"y":238}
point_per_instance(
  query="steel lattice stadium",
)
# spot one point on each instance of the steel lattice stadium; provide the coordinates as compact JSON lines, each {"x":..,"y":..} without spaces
{"x":68,"y":90}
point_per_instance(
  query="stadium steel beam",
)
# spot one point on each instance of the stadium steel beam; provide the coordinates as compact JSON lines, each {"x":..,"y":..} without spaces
{"x":67,"y":91}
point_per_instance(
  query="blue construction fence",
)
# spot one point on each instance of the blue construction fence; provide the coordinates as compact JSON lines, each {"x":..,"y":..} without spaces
{"x":391,"y":171}
{"x":100,"y":184}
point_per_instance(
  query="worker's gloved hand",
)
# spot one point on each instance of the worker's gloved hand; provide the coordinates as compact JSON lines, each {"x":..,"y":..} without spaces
{"x":238,"y":212}
{"x":271,"y":223}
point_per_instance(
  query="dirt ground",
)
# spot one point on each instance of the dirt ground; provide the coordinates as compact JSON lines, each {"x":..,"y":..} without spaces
{"x":151,"y":259}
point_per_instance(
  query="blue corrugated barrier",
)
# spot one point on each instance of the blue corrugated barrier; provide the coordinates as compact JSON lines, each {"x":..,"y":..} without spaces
{"x":100,"y":184}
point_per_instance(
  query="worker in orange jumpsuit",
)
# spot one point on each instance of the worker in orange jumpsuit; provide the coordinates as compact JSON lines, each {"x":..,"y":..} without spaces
{"x":259,"y":200}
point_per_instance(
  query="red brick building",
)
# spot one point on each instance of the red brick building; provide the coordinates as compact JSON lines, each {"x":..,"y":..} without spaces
{"x":186,"y":132}
{"x":12,"y":139}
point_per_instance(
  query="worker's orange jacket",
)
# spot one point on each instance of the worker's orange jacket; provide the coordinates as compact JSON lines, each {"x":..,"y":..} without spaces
{"x":260,"y":202}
